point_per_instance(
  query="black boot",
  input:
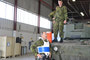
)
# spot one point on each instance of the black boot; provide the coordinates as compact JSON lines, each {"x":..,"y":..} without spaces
{"x":61,"y":41}
{"x":55,"y":40}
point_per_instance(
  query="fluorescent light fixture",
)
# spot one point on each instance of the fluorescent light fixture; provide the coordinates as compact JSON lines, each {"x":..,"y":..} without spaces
{"x":82,"y":13}
{"x":73,"y":0}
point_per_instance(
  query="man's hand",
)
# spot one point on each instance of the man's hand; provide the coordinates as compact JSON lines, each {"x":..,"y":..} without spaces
{"x":50,"y":55}
{"x":65,"y":21}
{"x":53,"y":21}
{"x":39,"y":55}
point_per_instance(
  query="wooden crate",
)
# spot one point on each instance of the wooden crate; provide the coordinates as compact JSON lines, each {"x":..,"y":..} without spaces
{"x":6,"y":46}
{"x":0,"y":54}
{"x":17,"y":49}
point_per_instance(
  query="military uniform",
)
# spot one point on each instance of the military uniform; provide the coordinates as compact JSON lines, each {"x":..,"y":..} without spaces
{"x":60,"y":15}
{"x":51,"y":15}
{"x":36,"y":44}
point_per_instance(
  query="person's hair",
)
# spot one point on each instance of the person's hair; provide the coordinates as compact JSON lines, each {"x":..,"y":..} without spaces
{"x":60,"y":0}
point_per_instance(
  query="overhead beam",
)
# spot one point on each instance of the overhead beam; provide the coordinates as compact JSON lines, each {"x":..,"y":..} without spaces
{"x":84,"y":1}
{"x":74,"y":9}
{"x":83,"y":8}
{"x":67,"y":7}
{"x":46,"y":4}
{"x":76,"y":6}
{"x":73,"y":12}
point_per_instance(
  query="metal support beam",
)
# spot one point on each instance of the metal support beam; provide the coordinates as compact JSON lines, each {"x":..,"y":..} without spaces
{"x":76,"y":6}
{"x":83,"y":1}
{"x":67,"y":7}
{"x":83,"y":9}
{"x":46,"y":4}
{"x":75,"y":9}
{"x":73,"y":16}
{"x":89,"y":9}
{"x":14,"y":25}
{"x":15,"y":15}
{"x":39,"y":8}
{"x":52,"y":5}
{"x":72,"y":12}
{"x":52,"y":10}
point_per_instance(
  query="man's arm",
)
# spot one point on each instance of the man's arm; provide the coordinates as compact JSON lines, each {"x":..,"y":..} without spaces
{"x":65,"y":13}
{"x":51,"y":15}
{"x":35,"y":45}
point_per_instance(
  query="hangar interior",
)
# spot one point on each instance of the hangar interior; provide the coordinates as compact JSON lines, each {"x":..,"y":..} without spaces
{"x":24,"y":20}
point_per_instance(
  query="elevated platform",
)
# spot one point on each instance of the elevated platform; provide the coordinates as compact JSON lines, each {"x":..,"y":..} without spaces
{"x":72,"y":50}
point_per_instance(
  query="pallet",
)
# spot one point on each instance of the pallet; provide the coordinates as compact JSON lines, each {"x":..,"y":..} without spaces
{"x":17,"y":55}
{"x":7,"y":57}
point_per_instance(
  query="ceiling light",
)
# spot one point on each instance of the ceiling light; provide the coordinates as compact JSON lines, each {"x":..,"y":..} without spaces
{"x":73,"y":0}
{"x":82,"y":13}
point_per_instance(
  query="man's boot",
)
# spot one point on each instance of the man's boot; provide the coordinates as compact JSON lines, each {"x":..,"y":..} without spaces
{"x":55,"y":40}
{"x":61,"y":41}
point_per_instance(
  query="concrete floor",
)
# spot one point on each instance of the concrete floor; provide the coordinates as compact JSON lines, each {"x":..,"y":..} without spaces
{"x":26,"y":57}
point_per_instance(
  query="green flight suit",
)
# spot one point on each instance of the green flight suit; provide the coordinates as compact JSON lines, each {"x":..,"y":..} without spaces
{"x":36,"y":44}
{"x":60,"y":15}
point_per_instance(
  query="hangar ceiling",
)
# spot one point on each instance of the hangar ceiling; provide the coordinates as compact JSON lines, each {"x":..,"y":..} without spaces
{"x":75,"y":9}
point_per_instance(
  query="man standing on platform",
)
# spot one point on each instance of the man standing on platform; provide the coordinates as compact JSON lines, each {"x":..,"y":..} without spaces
{"x":59,"y":17}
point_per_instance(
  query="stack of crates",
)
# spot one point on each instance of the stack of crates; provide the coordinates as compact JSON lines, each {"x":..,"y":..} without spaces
{"x":7,"y":46}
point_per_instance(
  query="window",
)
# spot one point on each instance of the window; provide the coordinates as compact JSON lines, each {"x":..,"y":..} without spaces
{"x":26,"y":17}
{"x":9,"y":12}
{"x":45,"y":23}
{"x":32,"y":19}
{"x":2,"y":9}
{"x":6,"y":11}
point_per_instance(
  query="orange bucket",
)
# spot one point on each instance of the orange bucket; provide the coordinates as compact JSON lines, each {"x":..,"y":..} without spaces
{"x":49,"y":36}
